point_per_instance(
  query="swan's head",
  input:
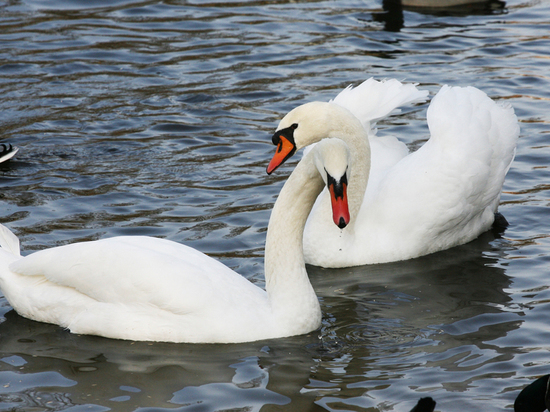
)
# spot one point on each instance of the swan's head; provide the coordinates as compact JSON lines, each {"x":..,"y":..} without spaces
{"x":304,"y":125}
{"x":333,"y":161}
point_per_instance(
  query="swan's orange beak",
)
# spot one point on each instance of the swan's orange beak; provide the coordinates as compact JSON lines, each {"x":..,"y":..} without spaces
{"x":339,"y":200}
{"x":285,"y":149}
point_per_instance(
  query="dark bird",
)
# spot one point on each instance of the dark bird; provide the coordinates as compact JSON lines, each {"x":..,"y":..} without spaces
{"x":424,"y":405}
{"x":534,"y":397}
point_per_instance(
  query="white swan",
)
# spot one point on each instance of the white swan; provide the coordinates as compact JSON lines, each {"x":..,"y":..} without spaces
{"x":443,"y":195}
{"x":145,"y":288}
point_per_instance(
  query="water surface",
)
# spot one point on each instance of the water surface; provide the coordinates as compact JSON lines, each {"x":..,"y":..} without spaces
{"x":154,"y":118}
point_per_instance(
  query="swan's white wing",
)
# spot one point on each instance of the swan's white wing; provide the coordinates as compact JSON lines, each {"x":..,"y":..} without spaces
{"x":485,"y":134}
{"x":133,"y":269}
{"x":129,"y":282}
{"x":373,"y":100}
{"x":446,"y":193}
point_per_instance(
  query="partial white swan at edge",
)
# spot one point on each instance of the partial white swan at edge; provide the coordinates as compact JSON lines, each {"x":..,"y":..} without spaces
{"x":7,"y":151}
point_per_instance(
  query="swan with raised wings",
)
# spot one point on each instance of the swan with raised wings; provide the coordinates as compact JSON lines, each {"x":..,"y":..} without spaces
{"x":145,"y":288}
{"x":405,"y":205}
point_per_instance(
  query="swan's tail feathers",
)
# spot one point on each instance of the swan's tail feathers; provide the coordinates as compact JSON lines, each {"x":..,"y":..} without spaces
{"x":373,"y":100}
{"x":478,"y":134}
{"x":8,"y":241}
{"x":467,"y":117}
{"x":506,"y":133}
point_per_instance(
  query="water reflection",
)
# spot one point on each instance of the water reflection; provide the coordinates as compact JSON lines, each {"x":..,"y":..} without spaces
{"x":399,"y":315}
{"x":103,"y":371}
{"x":433,"y":314}
{"x":246,"y":390}
{"x":427,"y":292}
{"x":394,"y":18}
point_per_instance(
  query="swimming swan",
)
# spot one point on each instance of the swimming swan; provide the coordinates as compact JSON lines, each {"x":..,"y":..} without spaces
{"x":443,"y":195}
{"x":145,"y":288}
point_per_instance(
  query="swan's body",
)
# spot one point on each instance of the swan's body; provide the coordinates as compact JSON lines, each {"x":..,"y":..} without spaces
{"x":405,"y":205}
{"x":144,"y":288}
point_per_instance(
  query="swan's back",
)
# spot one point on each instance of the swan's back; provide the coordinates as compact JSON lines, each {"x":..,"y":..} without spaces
{"x":483,"y":132}
{"x":138,"y":288}
{"x":371,"y":101}
{"x":445,"y":193}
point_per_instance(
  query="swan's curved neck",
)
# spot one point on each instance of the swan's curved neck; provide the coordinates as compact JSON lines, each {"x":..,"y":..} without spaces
{"x":331,"y":120}
{"x":287,"y":283}
{"x":345,"y":126}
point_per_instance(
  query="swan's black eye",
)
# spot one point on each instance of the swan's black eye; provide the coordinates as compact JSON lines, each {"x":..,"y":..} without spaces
{"x":287,"y":133}
{"x":338,"y":186}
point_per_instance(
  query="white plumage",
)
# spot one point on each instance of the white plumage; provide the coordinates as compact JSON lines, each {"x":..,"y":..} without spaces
{"x":407,"y":205}
{"x":7,"y":151}
{"x":144,"y":288}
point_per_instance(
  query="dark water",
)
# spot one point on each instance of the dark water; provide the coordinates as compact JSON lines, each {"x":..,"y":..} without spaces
{"x":154,"y":118}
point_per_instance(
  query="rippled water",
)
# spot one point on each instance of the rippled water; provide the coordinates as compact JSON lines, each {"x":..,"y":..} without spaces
{"x":154,"y":118}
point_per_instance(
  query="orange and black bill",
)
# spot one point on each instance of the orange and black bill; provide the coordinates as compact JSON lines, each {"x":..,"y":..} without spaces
{"x":339,"y":201}
{"x":284,"y":140}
